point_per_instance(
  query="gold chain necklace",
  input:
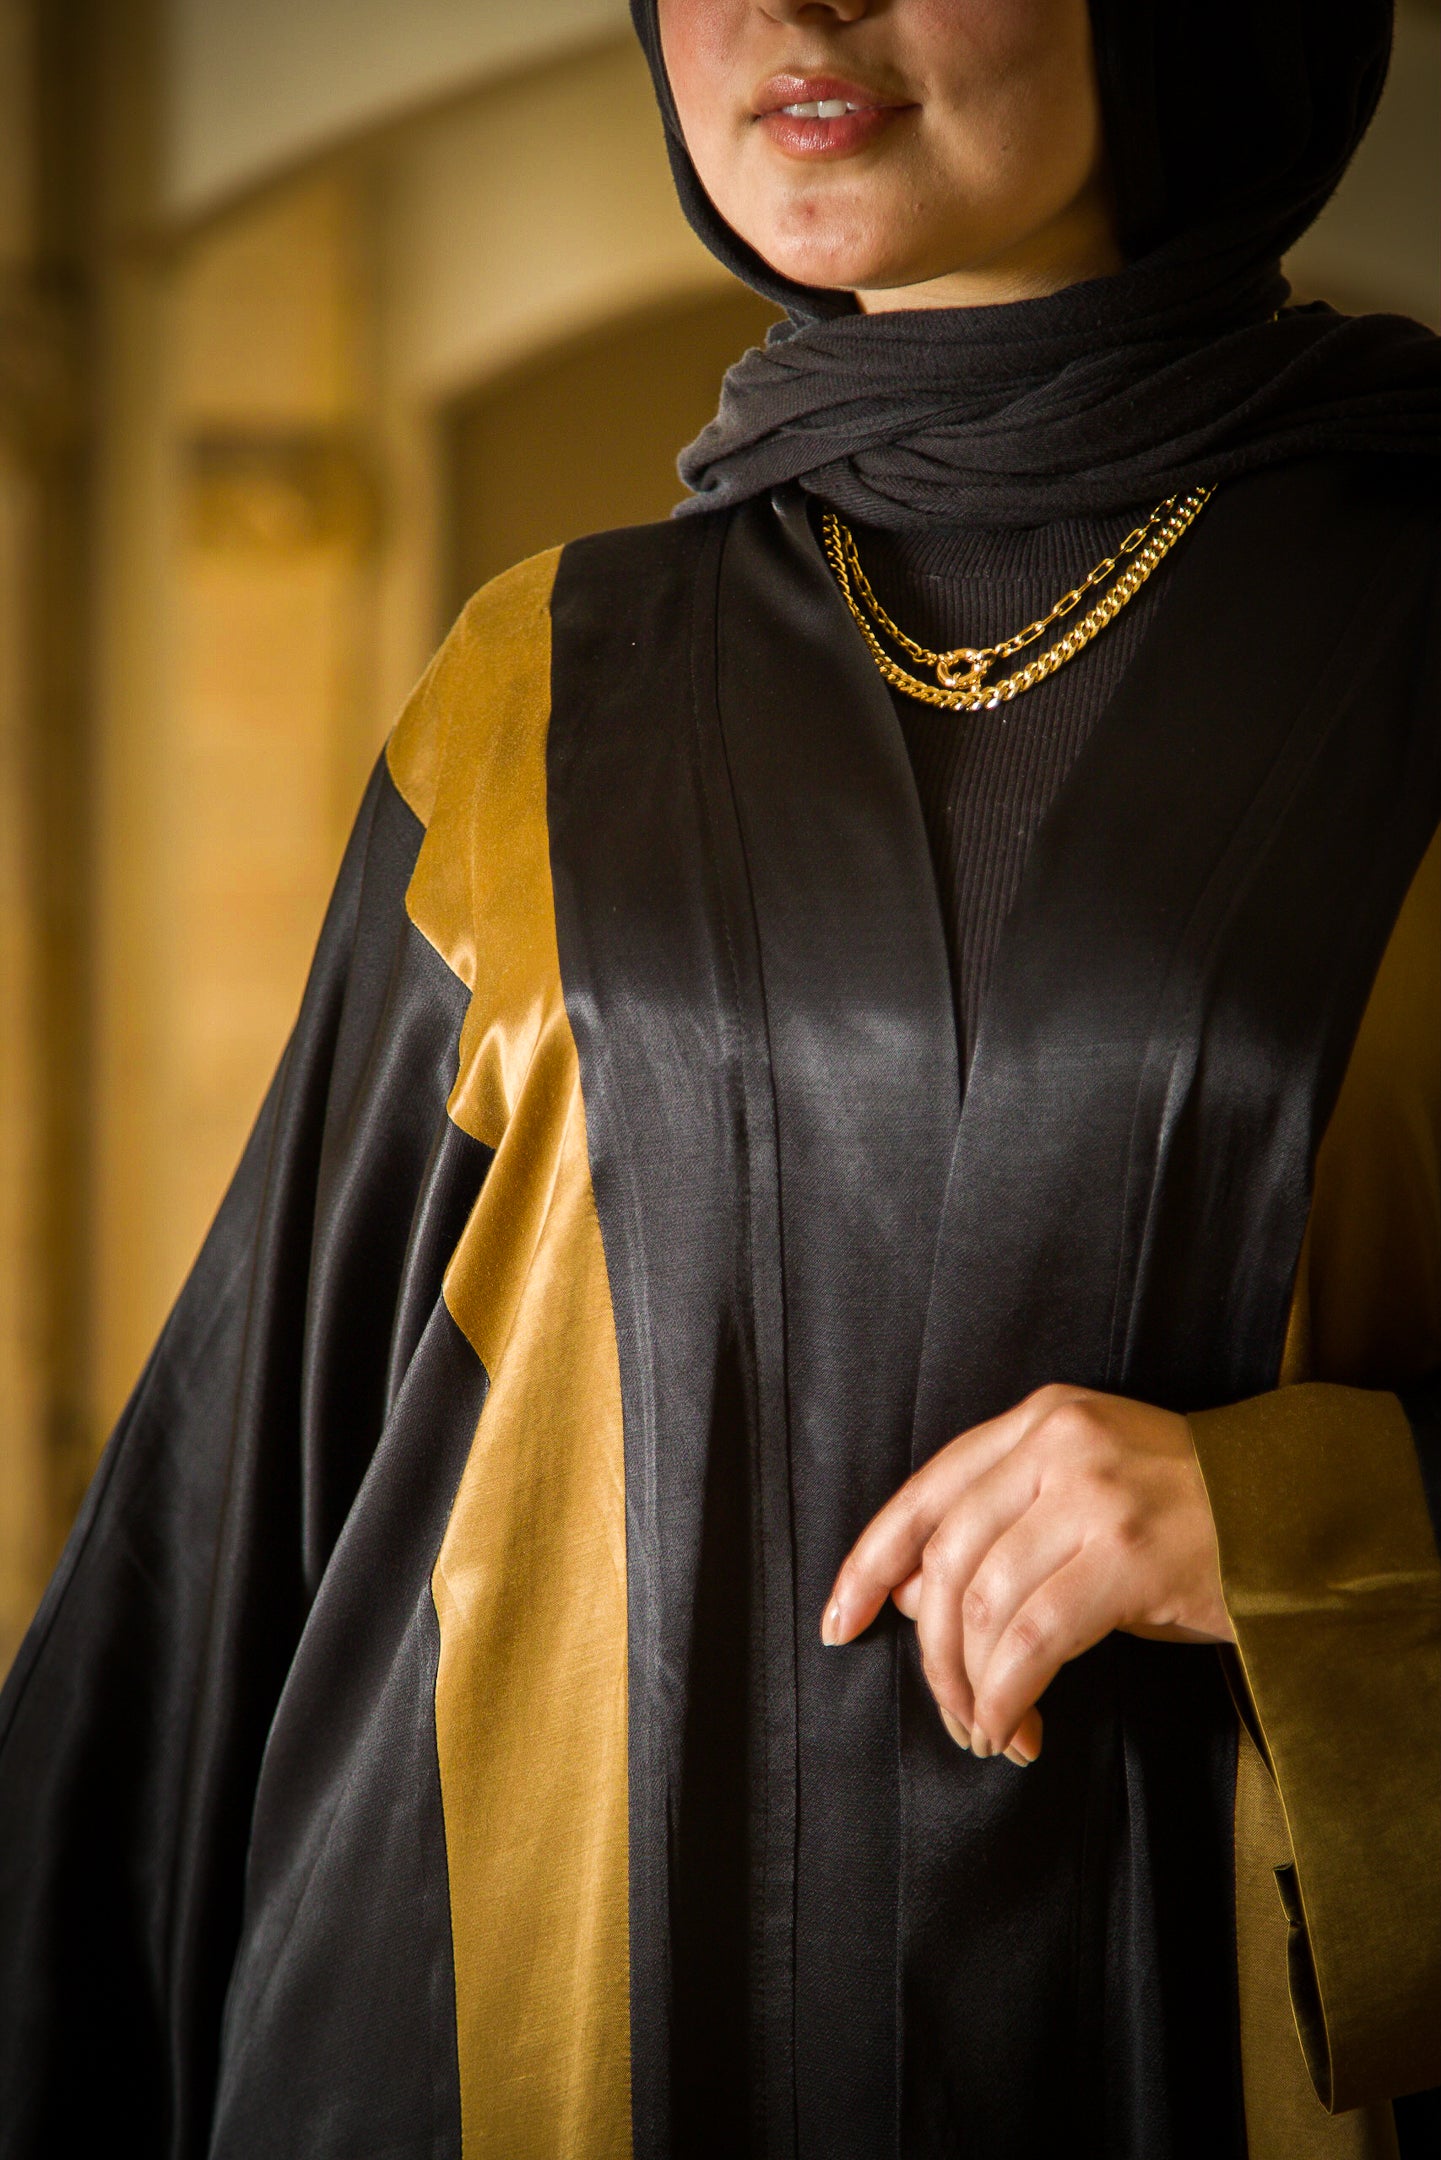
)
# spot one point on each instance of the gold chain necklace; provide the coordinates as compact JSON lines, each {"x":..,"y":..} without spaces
{"x":960,"y":675}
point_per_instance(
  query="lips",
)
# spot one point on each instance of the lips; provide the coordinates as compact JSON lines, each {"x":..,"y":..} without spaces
{"x":813,"y":116}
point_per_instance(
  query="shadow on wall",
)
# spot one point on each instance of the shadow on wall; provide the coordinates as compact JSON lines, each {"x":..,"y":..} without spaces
{"x":585,"y":437}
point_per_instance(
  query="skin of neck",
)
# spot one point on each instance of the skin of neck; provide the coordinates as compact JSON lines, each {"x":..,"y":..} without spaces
{"x":1079,"y":244}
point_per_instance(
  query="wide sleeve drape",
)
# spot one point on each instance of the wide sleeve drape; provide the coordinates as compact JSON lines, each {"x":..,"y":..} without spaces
{"x":133,"y":1725}
{"x":1324,"y":1513}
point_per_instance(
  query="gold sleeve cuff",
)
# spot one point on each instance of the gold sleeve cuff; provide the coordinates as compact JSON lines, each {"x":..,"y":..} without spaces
{"x":1333,"y":1585}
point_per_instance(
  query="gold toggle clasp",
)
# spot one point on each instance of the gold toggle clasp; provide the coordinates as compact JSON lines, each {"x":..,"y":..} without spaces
{"x":973,"y":678}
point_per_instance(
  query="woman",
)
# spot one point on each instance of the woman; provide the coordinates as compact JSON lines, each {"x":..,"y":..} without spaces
{"x":861,"y":1155}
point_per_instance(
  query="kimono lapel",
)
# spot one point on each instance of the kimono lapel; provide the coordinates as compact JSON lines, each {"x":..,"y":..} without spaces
{"x":757,"y":981}
{"x":661,"y":989}
{"x":863,"y":1068}
{"x":1182,"y":976}
{"x":1171,"y":1009}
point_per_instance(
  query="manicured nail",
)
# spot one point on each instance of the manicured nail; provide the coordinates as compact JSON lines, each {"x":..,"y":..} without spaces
{"x":981,"y":1746}
{"x":831,"y":1625}
{"x":1022,"y":1762}
{"x":956,"y":1730}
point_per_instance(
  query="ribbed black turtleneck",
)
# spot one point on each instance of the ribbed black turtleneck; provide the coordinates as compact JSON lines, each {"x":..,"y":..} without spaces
{"x":986,"y":779}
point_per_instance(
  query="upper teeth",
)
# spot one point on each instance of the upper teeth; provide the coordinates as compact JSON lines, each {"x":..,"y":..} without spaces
{"x":830,"y":108}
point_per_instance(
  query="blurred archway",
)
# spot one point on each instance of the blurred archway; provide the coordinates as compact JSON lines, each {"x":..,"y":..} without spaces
{"x":294,"y":422}
{"x":585,"y":436}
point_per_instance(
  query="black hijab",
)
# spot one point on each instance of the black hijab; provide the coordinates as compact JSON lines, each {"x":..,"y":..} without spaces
{"x":1228,"y":125}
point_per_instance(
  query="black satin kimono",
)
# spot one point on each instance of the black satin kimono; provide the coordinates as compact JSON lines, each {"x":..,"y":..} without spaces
{"x":426,"y":1744}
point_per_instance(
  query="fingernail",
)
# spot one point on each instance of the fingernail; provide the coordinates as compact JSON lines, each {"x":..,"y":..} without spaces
{"x":1022,"y":1762}
{"x":831,"y":1625}
{"x":956,"y":1730}
{"x":980,"y":1745}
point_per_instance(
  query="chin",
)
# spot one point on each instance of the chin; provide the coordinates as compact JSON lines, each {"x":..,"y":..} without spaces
{"x":822,"y":275}
{"x":815,"y":227}
{"x":834,"y":262}
{"x":838,"y":246}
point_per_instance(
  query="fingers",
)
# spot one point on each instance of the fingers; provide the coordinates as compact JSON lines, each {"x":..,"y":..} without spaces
{"x":1072,"y":1610}
{"x":1025,"y":1742}
{"x":889,"y":1550}
{"x":906,"y":1597}
{"x":1022,"y":1749}
{"x":988,"y":1557}
{"x":960,"y":1733}
{"x":1025,"y":1542}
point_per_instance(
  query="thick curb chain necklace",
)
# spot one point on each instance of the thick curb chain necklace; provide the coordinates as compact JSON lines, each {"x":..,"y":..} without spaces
{"x":961,"y":684}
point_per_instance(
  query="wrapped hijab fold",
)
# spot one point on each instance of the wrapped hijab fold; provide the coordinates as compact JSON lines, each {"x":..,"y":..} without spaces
{"x":1228,"y":128}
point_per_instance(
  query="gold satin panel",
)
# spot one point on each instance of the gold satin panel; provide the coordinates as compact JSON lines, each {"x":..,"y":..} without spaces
{"x":530,"y":1584}
{"x":1334,"y":1588}
{"x":1367,"y":1309}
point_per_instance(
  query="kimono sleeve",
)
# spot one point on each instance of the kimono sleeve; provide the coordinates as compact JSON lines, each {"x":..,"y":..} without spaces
{"x":133,"y":1724}
{"x":1332,"y":1580}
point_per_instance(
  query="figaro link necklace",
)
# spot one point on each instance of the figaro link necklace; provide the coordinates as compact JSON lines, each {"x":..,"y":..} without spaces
{"x":961,"y":684}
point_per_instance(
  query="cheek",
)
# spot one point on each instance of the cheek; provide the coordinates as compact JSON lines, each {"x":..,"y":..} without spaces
{"x":976,"y":54}
{"x":994,"y":28}
{"x":687,"y":40}
{"x":1015,"y":98}
{"x":703,"y":44}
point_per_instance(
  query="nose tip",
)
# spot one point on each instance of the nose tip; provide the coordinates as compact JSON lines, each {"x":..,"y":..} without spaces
{"x":811,"y":10}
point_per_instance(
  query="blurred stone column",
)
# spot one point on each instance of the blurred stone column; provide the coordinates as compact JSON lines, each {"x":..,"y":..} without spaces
{"x":236,"y":663}
{"x":22,"y":1468}
{"x":50,"y":158}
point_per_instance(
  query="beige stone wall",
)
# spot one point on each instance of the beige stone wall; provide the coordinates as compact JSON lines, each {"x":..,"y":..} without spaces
{"x":282,"y":500}
{"x":60,"y":126}
{"x":260,"y":88}
{"x":22,"y":1479}
{"x":233,"y":781}
{"x":45,"y":467}
{"x":259,"y":508}
{"x":507,"y":225}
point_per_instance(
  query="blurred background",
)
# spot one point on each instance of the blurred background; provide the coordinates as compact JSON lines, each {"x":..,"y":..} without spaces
{"x":314,"y":314}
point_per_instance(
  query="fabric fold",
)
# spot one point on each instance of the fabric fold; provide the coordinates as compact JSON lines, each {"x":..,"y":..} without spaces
{"x":1333,"y":1585}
